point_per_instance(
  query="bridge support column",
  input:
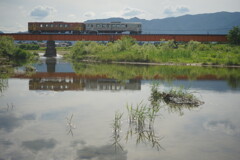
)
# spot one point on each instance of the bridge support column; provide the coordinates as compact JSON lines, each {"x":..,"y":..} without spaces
{"x":51,"y":50}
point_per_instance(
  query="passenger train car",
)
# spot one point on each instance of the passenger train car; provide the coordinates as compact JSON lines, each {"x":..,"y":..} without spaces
{"x":84,"y":28}
{"x":114,"y":27}
{"x":56,"y":27}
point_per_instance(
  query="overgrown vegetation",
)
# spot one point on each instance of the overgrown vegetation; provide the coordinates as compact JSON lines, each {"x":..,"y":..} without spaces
{"x":141,"y":117}
{"x":234,"y":36}
{"x":12,"y":52}
{"x":175,"y":97}
{"x":29,"y":46}
{"x":127,"y":49}
{"x":13,"y":55}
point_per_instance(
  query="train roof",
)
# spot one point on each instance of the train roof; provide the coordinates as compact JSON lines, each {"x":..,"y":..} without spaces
{"x":55,"y":22}
{"x":113,"y":22}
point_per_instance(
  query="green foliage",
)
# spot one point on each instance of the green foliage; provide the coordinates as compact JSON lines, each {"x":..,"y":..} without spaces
{"x":29,"y":46}
{"x":193,"y":45}
{"x":8,"y":49}
{"x":21,"y":54}
{"x":127,"y":50}
{"x":234,"y":36}
{"x":7,"y":46}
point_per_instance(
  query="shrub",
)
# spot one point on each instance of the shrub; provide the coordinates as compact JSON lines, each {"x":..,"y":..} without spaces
{"x":29,"y":46}
{"x":6,"y":46}
{"x":21,"y":54}
{"x":234,"y":36}
{"x":193,"y":45}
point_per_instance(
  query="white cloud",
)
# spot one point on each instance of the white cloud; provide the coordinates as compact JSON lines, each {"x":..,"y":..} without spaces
{"x":127,"y":12}
{"x":176,"y":11}
{"x":41,"y":12}
{"x":132,"y":12}
{"x":89,"y":14}
{"x":223,"y":126}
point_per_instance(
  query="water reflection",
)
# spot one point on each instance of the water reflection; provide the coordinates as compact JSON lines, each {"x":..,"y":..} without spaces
{"x":70,"y":125}
{"x":78,"y":83}
{"x":3,"y":85}
{"x":51,"y":64}
{"x":33,"y":126}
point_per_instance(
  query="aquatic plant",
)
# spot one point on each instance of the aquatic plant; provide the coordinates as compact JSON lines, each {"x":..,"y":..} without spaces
{"x":139,"y":117}
{"x":176,"y":98}
{"x":70,"y":125}
{"x":116,"y":125}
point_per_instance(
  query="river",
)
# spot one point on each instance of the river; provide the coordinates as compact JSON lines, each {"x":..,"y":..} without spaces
{"x":65,"y":111}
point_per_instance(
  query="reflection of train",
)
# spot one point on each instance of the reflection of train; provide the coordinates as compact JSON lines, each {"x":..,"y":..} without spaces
{"x":84,"y":28}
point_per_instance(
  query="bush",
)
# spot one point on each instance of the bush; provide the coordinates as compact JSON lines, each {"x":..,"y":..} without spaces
{"x":7,"y":46}
{"x":21,"y":54}
{"x":234,"y":36}
{"x":193,"y":45}
{"x":29,"y":46}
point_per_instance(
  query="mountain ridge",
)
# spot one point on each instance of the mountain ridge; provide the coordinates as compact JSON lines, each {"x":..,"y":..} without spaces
{"x":207,"y":23}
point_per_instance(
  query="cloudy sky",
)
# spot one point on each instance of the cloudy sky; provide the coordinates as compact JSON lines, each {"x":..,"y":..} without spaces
{"x":16,"y":13}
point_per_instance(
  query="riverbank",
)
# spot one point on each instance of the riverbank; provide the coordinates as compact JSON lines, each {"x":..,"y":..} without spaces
{"x":127,"y":50}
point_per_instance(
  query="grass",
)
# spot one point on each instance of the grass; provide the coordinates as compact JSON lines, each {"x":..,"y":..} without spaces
{"x":128,"y":50}
{"x":116,"y":125}
{"x":176,"y":98}
{"x":138,"y":117}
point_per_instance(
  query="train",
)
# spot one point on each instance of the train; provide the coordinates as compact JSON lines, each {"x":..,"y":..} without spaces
{"x":85,"y":28}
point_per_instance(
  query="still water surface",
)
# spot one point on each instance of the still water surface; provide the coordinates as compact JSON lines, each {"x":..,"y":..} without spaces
{"x":66,"y":111}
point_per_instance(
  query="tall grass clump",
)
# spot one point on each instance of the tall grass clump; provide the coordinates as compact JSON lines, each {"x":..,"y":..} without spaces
{"x":127,"y":49}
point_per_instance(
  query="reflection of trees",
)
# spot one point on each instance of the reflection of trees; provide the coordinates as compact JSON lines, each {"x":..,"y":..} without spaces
{"x":123,"y":72}
{"x":3,"y":85}
{"x":234,"y":82}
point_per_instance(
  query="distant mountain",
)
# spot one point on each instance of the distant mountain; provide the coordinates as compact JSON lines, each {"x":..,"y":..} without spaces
{"x":1,"y":32}
{"x":211,"y":23}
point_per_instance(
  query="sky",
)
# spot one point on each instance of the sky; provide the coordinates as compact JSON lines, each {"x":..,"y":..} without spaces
{"x":15,"y":14}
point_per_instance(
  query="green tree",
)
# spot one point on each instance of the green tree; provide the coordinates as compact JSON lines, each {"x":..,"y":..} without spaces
{"x":7,"y":46}
{"x":234,"y":36}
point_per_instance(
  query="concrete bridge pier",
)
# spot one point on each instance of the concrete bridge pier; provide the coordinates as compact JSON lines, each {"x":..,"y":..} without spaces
{"x":51,"y":50}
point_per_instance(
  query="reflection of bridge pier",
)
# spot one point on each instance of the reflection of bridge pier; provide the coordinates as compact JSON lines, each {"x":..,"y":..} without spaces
{"x":51,"y":64}
{"x":51,"y":50}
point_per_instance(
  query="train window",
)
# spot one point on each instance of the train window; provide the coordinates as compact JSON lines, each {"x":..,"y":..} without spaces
{"x":41,"y":25}
{"x":46,"y":25}
{"x":98,"y":25}
{"x":108,"y":25}
{"x":66,"y":25}
{"x":122,"y":25}
{"x":51,"y":25}
{"x":113,"y":25}
{"x":118,"y":25}
{"x":126,"y":26}
{"x":61,"y":25}
{"x":104,"y":25}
